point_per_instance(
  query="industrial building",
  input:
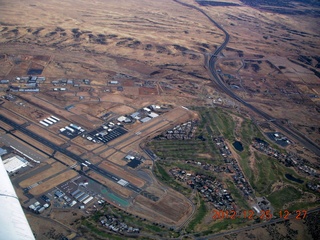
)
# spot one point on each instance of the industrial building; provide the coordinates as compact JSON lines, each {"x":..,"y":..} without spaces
{"x":144,"y":120}
{"x":3,"y":151}
{"x":59,"y":194}
{"x":14,"y":163}
{"x":153,"y":115}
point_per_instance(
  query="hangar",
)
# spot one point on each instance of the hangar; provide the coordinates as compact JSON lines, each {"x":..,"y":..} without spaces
{"x":14,"y":163}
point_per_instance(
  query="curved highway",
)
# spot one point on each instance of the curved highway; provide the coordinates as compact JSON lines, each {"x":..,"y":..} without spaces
{"x":211,"y":65}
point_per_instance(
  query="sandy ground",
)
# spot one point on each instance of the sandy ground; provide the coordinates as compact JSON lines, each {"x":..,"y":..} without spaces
{"x":124,"y":140}
{"x":76,"y":150}
{"x":46,"y":134}
{"x":22,"y":197}
{"x":122,"y":173}
{"x":88,"y":145}
{"x":6,"y":126}
{"x":121,"y":109}
{"x":117,"y":158}
{"x":166,"y":43}
{"x":33,"y":142}
{"x":105,"y":150}
{"x":92,"y":158}
{"x":51,"y":160}
{"x":14,"y":117}
{"x":116,"y":188}
{"x":65,"y":159}
{"x":50,"y":105}
{"x":45,"y":228}
{"x":52,"y":182}
{"x":171,"y":206}
{"x":55,"y":168}
{"x":66,"y":217}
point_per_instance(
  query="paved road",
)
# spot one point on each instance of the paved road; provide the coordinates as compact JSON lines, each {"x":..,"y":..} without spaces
{"x":211,"y":65}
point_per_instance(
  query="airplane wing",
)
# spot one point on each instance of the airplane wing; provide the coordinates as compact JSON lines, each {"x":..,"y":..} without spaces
{"x":13,"y":222}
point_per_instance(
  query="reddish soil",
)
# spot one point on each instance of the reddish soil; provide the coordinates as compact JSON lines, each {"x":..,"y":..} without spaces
{"x":148,"y":91}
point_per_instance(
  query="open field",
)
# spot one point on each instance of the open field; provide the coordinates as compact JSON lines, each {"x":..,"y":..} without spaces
{"x":53,"y":170}
{"x":267,"y":171}
{"x":198,"y":217}
{"x":76,"y":150}
{"x":52,"y":182}
{"x":33,"y":142}
{"x":51,"y":160}
{"x":22,"y":197}
{"x":94,"y":159}
{"x":47,"y":228}
{"x":88,"y":145}
{"x":106,"y":151}
{"x":16,"y":118}
{"x":156,"y":52}
{"x":122,"y":173}
{"x":6,"y":126}
{"x":171,"y":206}
{"x":201,"y":147}
{"x":156,"y":189}
{"x":280,"y":198}
{"x":117,"y":158}
{"x":63,"y":158}
{"x":46,"y":134}
{"x":115,"y":39}
{"x":116,"y":188}
{"x":151,"y":128}
{"x":50,"y":105}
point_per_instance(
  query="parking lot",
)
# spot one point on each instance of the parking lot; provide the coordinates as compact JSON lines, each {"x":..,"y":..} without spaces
{"x":102,"y":135}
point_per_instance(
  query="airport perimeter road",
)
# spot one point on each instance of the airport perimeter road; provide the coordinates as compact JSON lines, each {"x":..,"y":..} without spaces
{"x":46,"y":142}
{"x":211,"y":65}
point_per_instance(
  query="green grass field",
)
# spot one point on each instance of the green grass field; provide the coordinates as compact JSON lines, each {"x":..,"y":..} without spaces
{"x":200,"y":214}
{"x":303,"y":206}
{"x":262,"y":174}
{"x":286,"y":195}
{"x":162,"y":174}
{"x":241,"y":202}
{"x":223,"y":122}
{"x":195,"y":148}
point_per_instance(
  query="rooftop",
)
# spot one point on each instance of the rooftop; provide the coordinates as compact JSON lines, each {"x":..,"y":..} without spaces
{"x":14,"y":163}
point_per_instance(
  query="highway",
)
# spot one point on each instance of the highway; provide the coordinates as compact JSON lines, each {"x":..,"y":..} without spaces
{"x":211,"y":65}
{"x":46,"y":142}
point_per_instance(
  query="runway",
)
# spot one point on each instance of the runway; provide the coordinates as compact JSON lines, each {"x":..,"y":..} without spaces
{"x":94,"y":168}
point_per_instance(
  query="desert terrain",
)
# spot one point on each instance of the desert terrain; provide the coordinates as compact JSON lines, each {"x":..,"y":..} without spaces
{"x":147,"y":63}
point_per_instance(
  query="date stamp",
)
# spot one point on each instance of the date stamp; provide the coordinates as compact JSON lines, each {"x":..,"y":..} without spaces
{"x":298,"y":214}
{"x":263,"y":214}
